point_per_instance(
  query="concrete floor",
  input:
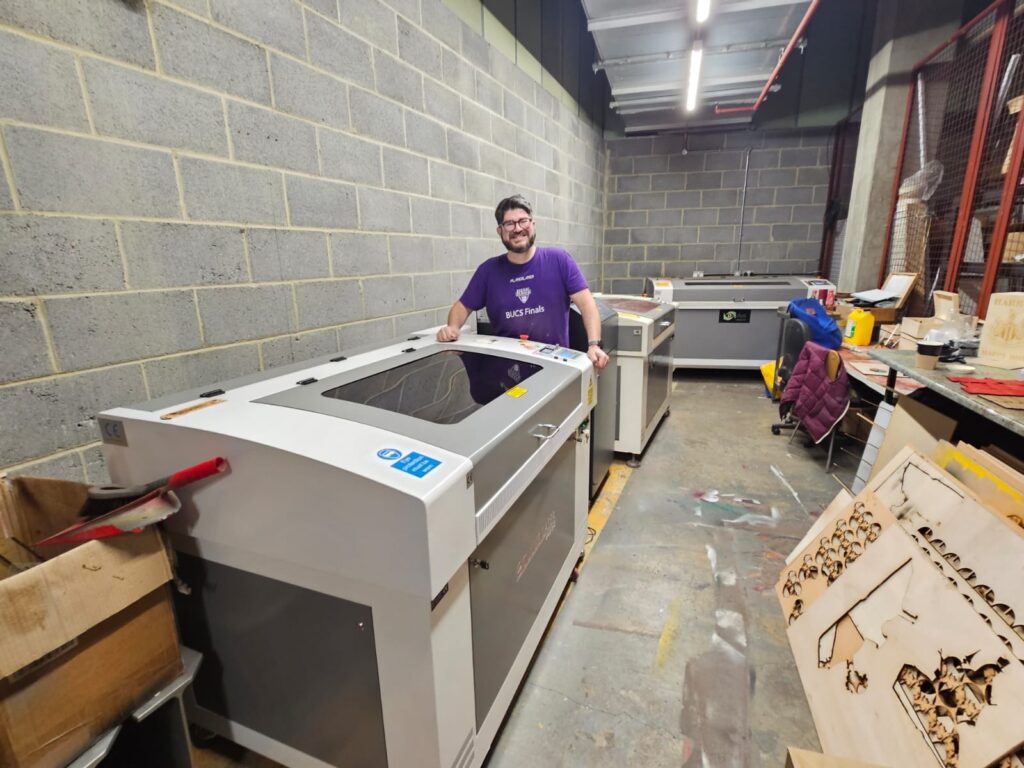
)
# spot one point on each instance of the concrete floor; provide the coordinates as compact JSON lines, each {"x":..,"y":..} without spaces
{"x":671,"y":648}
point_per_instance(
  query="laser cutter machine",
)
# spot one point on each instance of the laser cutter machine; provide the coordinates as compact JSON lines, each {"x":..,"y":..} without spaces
{"x":372,"y":576}
{"x":644,"y":366}
{"x":731,"y":322}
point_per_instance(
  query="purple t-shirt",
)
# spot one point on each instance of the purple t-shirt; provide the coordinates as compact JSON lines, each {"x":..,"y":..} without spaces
{"x":529,"y":299}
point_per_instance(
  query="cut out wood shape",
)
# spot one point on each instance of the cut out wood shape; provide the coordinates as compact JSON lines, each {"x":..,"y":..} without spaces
{"x":827,"y":519}
{"x":1002,"y":338}
{"x":954,"y":695}
{"x":868,"y":641}
{"x":842,"y":534}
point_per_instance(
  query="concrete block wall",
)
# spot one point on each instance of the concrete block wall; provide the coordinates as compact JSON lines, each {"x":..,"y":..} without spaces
{"x":672,"y":212}
{"x":192,"y":190}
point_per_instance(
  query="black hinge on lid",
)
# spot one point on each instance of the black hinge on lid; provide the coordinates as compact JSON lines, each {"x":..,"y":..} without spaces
{"x":212,"y":393}
{"x":410,"y":349}
{"x":337,"y":359}
{"x":439,"y":597}
{"x":304,"y":382}
{"x":414,"y":338}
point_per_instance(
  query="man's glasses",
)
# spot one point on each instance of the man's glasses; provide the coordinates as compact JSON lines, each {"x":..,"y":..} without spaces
{"x":508,"y":226}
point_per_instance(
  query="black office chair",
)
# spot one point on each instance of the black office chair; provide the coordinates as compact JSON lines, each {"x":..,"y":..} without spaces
{"x":793,"y":335}
{"x":833,"y":369}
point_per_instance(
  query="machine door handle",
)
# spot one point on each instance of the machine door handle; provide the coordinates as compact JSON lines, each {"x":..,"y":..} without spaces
{"x":544,"y":431}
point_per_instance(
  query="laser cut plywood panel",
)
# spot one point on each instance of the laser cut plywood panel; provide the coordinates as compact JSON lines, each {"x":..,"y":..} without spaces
{"x":1002,"y":338}
{"x":825,"y":519}
{"x":900,"y":670}
{"x":946,"y":518}
{"x":842,"y":534}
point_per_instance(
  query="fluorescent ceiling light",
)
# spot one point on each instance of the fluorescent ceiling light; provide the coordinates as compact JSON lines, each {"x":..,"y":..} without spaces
{"x":703,"y":10}
{"x":696,"y":54}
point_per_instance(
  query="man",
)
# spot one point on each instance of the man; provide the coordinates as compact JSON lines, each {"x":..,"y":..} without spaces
{"x":527,"y":290}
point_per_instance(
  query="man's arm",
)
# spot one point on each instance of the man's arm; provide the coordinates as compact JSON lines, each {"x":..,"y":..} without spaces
{"x":592,"y":323}
{"x":457,"y":315}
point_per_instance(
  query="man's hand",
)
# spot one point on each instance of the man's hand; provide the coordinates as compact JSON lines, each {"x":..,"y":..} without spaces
{"x":598,"y":357}
{"x":448,"y":333}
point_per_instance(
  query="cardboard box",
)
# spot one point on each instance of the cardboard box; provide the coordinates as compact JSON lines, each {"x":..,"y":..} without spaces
{"x":86,"y":635}
{"x":914,"y":329}
{"x":918,"y":327}
{"x":856,"y":424}
{"x":907,"y":343}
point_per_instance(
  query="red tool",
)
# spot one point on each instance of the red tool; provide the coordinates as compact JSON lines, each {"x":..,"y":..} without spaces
{"x":157,"y":503}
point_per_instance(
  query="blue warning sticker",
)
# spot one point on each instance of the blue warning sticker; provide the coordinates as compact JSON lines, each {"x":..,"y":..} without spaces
{"x":416,"y":464}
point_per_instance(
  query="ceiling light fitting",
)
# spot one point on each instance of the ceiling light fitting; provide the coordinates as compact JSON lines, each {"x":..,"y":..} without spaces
{"x":693,"y":81}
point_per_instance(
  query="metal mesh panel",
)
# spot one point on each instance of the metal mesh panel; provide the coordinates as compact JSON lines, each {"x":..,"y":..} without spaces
{"x":942,"y":116}
{"x":1006,"y":111}
{"x":991,"y":171}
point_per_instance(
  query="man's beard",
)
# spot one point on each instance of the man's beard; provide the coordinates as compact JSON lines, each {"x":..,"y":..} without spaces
{"x":519,"y":248}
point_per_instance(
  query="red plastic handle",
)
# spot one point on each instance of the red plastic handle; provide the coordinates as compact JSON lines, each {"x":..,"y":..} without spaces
{"x":198,"y":472}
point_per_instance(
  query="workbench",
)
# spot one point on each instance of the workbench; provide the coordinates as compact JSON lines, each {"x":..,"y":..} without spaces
{"x":904,"y":362}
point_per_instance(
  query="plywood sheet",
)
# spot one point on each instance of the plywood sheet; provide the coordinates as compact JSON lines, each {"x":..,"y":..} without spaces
{"x":1011,"y":462}
{"x":1002,"y":498}
{"x":827,"y":517}
{"x":955,"y":525}
{"x":929,"y":684}
{"x":1002,"y":338}
{"x":802,"y":758}
{"x":845,"y":535}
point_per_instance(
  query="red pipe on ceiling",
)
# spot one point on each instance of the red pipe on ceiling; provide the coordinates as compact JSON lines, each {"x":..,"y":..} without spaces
{"x":778,"y":67}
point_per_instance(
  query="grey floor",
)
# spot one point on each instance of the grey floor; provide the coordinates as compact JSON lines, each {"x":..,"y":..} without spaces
{"x":671,"y":648}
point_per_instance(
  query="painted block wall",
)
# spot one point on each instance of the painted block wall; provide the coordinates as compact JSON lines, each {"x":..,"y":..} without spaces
{"x":674,"y":205}
{"x":200,"y":189}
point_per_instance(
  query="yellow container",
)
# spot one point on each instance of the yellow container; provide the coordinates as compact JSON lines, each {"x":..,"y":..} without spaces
{"x":859,"y":326}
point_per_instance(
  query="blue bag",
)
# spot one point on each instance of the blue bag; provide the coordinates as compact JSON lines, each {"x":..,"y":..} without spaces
{"x":824,"y":330}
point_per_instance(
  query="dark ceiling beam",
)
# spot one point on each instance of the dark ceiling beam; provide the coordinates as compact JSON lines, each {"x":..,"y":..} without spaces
{"x":722,"y":96}
{"x":653,"y":58}
{"x":652,"y":89}
{"x":686,"y":125}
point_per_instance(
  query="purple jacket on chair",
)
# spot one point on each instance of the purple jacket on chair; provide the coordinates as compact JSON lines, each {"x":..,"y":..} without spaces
{"x":811,"y":396}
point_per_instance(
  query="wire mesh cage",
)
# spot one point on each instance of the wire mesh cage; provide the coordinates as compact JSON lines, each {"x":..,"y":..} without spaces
{"x":958,"y":214}
{"x":1001,"y":183}
{"x":940,"y":126}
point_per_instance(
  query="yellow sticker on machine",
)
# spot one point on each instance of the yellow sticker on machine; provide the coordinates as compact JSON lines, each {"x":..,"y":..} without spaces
{"x":662,"y":283}
{"x":590,"y":394}
{"x":516,"y":391}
